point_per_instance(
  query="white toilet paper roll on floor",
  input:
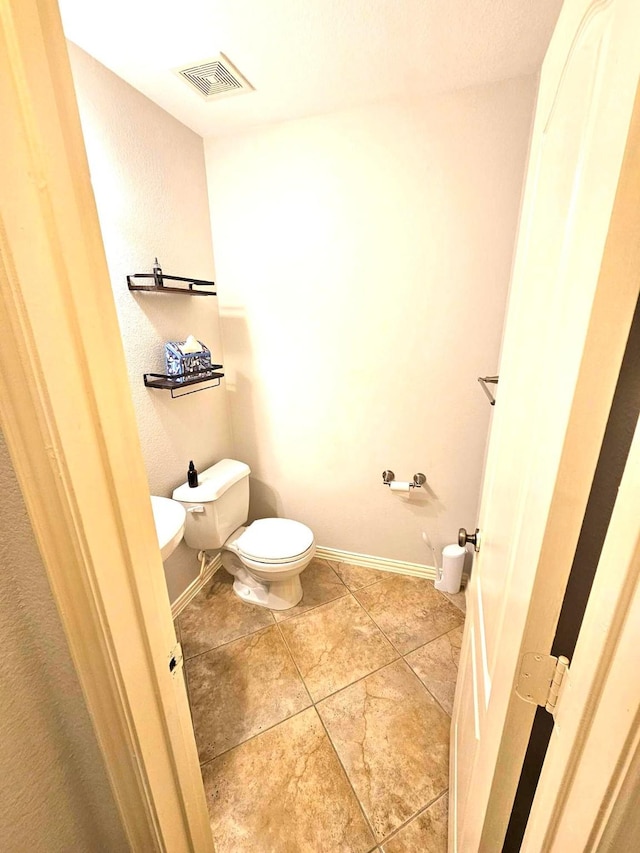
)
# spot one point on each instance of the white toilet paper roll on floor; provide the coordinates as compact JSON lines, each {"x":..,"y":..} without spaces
{"x":452,"y":565}
{"x":399,"y":486}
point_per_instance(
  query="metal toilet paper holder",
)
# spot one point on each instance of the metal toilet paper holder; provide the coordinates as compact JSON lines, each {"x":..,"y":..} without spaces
{"x":418,"y":479}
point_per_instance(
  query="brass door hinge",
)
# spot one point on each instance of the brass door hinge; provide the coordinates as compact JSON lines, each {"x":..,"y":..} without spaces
{"x":541,"y":678}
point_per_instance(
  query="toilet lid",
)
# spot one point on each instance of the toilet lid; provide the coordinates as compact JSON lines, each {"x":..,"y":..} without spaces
{"x":275,"y":540}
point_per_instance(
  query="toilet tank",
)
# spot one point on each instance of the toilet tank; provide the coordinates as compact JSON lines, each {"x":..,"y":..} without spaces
{"x":217,"y":506}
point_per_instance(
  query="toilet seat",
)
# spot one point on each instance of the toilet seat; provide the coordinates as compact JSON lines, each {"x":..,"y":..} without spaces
{"x":275,"y":541}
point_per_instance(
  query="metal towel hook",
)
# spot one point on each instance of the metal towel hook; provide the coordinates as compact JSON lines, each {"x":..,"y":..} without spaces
{"x":484,"y":382}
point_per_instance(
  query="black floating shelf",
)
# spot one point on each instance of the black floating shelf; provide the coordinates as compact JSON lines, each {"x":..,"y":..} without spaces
{"x":194,"y":285}
{"x":177,"y":384}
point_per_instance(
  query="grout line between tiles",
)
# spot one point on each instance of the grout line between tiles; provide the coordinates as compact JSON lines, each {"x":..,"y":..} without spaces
{"x":387,"y":638}
{"x":364,"y":585}
{"x":411,"y":817}
{"x":253,"y":737}
{"x":421,"y":681}
{"x":403,"y":654}
{"x":422,"y":645}
{"x":455,"y":604}
{"x":360,"y":806}
{"x":228,"y":642}
{"x":350,"y":783}
{"x":362,"y":678}
{"x":433,"y":696}
{"x":315,"y":607}
{"x":444,"y":633}
{"x":344,"y":686}
{"x":379,"y":627}
{"x":420,"y":811}
{"x":286,"y":645}
{"x":351,"y":683}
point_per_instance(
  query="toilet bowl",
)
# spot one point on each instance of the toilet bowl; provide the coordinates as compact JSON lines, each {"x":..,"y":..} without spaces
{"x":266,"y":557}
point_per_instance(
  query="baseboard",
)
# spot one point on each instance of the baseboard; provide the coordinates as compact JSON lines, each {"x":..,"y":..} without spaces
{"x":196,"y":585}
{"x":382,"y":564}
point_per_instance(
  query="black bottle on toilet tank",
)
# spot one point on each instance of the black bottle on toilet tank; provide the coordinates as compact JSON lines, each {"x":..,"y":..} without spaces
{"x":192,"y":475}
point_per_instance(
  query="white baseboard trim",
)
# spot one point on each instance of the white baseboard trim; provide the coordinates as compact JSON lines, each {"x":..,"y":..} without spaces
{"x":382,"y":564}
{"x":196,"y":585}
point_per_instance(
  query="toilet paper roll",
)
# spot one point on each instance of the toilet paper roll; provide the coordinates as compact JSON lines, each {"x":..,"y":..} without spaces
{"x":450,"y":575}
{"x":399,"y":486}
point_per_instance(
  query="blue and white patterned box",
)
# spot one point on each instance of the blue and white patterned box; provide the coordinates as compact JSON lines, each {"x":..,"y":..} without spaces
{"x":182,"y":365}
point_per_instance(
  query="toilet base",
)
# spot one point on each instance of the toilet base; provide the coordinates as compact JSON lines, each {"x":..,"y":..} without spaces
{"x":279,"y":595}
{"x":276,"y":594}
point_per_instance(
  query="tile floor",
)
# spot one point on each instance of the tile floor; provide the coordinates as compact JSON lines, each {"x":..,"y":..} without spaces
{"x":325,"y":727}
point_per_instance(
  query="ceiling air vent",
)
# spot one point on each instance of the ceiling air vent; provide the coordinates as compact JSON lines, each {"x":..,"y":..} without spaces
{"x":215,"y":78}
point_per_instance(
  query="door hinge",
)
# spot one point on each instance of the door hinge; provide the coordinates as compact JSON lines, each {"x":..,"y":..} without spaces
{"x":541,"y":678}
{"x":176,"y":660}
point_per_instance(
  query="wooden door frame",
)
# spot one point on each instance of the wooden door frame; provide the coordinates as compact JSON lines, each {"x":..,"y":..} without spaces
{"x":70,"y":429}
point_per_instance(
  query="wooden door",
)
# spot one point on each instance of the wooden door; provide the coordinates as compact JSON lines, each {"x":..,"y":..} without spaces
{"x":569,"y":313}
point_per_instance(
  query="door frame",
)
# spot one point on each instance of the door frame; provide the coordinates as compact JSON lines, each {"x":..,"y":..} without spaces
{"x":70,"y":429}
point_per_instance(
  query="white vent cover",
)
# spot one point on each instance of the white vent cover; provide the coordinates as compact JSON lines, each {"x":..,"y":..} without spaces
{"x":215,"y":78}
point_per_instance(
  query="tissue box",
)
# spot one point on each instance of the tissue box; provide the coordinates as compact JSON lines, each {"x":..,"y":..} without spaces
{"x":181,"y":365}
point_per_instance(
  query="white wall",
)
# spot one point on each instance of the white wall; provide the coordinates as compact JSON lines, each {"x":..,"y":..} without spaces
{"x":149,"y":181}
{"x":55,"y":793}
{"x":363,"y":261}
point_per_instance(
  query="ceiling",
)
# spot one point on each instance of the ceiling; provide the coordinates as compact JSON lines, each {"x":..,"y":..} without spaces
{"x":305,"y":57}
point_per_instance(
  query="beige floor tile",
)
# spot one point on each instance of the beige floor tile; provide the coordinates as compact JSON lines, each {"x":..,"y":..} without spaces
{"x":393,"y":740}
{"x":409,"y":610}
{"x":319,"y":585}
{"x":216,"y":616}
{"x":355,"y":577}
{"x":426,"y":833}
{"x":458,"y":598}
{"x":284,"y":792}
{"x":436,"y":665}
{"x":241,"y":689}
{"x":336,"y":644}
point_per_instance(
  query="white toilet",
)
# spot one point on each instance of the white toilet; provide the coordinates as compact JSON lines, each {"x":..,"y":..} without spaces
{"x":265,"y":557}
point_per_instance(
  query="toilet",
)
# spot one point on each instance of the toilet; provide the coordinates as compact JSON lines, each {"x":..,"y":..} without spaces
{"x":265,"y":557}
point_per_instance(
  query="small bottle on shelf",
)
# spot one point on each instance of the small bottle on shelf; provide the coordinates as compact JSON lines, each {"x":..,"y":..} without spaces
{"x":157,"y":274}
